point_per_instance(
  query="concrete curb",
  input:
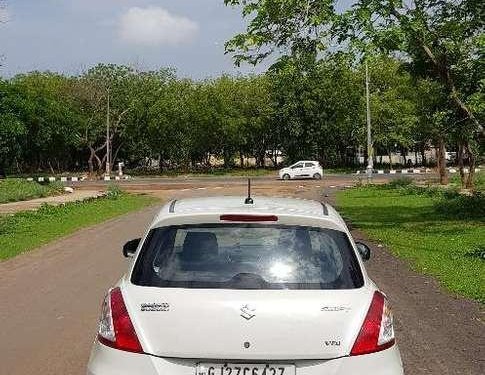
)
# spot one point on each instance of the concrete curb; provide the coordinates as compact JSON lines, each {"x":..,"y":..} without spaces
{"x":76,"y":178}
{"x":411,"y":171}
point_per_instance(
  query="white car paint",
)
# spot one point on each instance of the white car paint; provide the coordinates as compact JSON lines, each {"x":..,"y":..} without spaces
{"x":313,"y":330}
{"x":302,"y":169}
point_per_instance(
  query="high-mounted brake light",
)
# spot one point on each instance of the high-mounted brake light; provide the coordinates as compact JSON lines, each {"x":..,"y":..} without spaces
{"x":249,"y":218}
{"x":377,"y":332}
{"x":115,"y":327}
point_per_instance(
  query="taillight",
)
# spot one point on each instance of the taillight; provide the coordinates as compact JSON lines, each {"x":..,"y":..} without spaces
{"x":115,"y":327}
{"x":377,"y":332}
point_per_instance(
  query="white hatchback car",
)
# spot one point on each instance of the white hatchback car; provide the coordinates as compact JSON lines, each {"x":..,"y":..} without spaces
{"x":302,"y":169}
{"x":219,"y":286}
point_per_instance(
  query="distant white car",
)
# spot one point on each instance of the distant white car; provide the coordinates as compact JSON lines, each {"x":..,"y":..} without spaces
{"x":219,"y":286}
{"x":302,"y":169}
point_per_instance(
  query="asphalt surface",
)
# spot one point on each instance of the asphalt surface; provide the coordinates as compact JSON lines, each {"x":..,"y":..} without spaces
{"x":51,"y":297}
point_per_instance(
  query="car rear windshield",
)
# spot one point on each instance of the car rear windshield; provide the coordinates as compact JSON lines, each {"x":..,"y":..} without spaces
{"x":247,"y":256}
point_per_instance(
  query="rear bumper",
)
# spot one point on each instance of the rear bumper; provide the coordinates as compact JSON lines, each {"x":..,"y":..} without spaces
{"x":108,"y":361}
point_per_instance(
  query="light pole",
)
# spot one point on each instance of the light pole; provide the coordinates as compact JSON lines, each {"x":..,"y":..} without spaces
{"x":108,"y":161}
{"x":370,"y":151}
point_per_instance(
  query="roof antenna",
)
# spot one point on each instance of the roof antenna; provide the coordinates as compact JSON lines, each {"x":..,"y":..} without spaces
{"x":249,"y":200}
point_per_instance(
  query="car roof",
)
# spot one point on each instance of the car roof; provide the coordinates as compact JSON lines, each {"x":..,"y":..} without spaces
{"x":262,"y":205}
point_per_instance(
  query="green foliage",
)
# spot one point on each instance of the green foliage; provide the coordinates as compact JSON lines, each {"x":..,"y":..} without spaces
{"x":462,"y":206}
{"x":400,"y":182}
{"x":302,"y":108}
{"x":442,"y":40}
{"x":414,"y":227}
{"x":13,"y":190}
{"x":449,"y":201}
{"x":51,"y":222}
{"x":439,"y":42}
{"x":320,"y":109}
{"x":113,"y":191}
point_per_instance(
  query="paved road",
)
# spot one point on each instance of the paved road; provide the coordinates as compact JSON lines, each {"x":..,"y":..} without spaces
{"x":212,"y":180}
{"x":51,"y":298}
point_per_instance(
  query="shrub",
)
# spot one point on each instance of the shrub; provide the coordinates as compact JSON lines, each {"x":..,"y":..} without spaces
{"x":462,"y":206}
{"x":16,"y":189}
{"x":113,"y":191}
{"x":400,"y":182}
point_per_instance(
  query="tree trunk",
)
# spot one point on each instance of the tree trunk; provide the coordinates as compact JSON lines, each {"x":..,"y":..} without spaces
{"x":100,"y":164}
{"x":90,"y":161}
{"x":160,"y":162}
{"x":17,"y":165}
{"x":441,"y":159}
{"x":389,"y":153}
{"x":260,"y":159}
{"x":274,"y":158}
{"x":459,"y":158}
{"x":423,"y":157}
{"x":50,"y":167}
{"x":470,"y":181}
{"x":115,"y":156}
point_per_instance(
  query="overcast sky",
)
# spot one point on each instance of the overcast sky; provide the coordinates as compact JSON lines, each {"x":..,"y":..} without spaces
{"x":70,"y":36}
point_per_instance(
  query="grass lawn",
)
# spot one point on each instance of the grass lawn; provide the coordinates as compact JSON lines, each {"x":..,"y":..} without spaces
{"x":16,"y":189}
{"x":430,"y":230}
{"x":27,"y":230}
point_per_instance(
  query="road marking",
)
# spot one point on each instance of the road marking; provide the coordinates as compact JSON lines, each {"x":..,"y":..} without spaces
{"x":201,"y":188}
{"x":332,"y":186}
{"x":218,"y":187}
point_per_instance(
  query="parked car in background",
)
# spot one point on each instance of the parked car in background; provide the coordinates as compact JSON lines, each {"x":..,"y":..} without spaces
{"x":302,"y":169}
{"x":235,"y":286}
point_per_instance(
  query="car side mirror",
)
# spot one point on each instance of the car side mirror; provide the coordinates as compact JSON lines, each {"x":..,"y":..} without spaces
{"x":364,"y":250}
{"x":129,"y":248}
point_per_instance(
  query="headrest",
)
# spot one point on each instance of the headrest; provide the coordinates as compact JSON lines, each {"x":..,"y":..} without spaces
{"x":296,"y":242}
{"x":199,"y":245}
{"x":303,"y":242}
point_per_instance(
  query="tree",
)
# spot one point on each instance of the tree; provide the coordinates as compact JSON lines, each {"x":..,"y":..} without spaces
{"x":147,"y":89}
{"x":48,"y":118}
{"x":12,"y":128}
{"x":319,"y":108}
{"x":441,"y":40}
{"x":104,"y":91}
{"x":393,"y":105}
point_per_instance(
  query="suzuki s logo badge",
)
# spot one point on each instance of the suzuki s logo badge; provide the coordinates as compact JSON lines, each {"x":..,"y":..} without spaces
{"x":247,"y":312}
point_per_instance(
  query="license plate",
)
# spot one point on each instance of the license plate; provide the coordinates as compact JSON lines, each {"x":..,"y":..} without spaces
{"x":244,"y":369}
